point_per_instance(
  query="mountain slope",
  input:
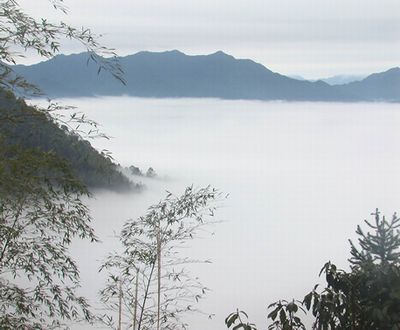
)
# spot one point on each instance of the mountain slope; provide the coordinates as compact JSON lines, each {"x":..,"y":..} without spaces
{"x":384,"y":86}
{"x":174,"y":74}
{"x":26,"y":127}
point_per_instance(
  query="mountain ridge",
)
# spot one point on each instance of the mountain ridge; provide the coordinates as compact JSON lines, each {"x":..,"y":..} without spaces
{"x":220,"y":75}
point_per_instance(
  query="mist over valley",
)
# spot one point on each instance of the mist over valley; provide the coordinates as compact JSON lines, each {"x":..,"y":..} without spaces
{"x":300,"y":177}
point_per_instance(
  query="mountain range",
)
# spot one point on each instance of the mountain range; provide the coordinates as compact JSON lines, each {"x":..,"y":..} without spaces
{"x":218,"y":75}
{"x":334,"y":80}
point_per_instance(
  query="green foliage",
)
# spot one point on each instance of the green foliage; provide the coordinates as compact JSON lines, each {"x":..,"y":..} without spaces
{"x":175,"y":220}
{"x":31,"y":128}
{"x":41,"y":210}
{"x":365,"y":298}
{"x":40,"y":213}
{"x":284,"y":315}
{"x":45,"y":128}
{"x":235,"y":320}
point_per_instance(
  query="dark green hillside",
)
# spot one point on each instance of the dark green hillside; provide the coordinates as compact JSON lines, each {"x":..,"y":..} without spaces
{"x":27,"y":127}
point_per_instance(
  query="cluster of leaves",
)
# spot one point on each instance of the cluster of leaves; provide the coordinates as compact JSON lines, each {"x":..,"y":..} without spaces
{"x":171,"y":223}
{"x":40,"y":213}
{"x":238,"y":320}
{"x":366,"y":297}
{"x":284,"y":315}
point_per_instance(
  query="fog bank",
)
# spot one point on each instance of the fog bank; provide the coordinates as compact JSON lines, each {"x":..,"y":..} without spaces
{"x":300,"y":177}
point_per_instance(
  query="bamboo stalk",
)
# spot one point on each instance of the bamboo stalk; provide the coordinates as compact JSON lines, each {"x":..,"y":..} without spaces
{"x":136,"y":299}
{"x":159,"y":275}
{"x":146,"y":294}
{"x":120,"y":306}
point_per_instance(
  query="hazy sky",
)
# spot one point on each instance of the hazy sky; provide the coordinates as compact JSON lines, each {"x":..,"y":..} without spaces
{"x":313,"y":38}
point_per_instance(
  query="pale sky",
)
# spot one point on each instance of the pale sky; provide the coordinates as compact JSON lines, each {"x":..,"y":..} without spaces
{"x":312,"y":38}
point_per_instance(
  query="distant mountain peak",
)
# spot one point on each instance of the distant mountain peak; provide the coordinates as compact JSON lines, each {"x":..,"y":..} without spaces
{"x":321,"y":82}
{"x":219,"y":53}
{"x":173,"y":52}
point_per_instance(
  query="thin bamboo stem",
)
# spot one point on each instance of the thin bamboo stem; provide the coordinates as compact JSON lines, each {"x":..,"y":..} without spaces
{"x":136,"y":299}
{"x":120,"y":306}
{"x":159,"y":276}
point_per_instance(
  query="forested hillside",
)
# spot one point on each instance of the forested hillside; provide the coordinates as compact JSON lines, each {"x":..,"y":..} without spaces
{"x":27,"y":127}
